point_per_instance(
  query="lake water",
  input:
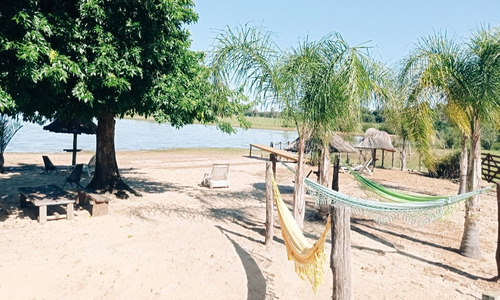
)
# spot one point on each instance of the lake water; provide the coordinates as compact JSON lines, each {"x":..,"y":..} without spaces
{"x":146,"y":135}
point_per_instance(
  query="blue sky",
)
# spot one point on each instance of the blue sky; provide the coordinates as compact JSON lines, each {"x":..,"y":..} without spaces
{"x":390,"y":27}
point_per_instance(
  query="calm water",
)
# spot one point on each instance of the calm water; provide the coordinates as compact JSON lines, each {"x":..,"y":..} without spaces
{"x":146,"y":135}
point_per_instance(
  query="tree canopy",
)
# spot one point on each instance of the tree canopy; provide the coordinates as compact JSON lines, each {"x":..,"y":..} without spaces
{"x":465,"y":78}
{"x":104,"y":59}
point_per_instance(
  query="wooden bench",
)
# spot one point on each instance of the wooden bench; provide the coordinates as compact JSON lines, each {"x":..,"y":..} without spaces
{"x":99,"y":202}
{"x":43,"y":196}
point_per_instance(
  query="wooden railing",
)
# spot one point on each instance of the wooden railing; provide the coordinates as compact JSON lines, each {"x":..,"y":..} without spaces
{"x":490,"y":167}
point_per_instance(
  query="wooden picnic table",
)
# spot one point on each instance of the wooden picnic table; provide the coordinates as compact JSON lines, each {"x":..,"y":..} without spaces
{"x":43,"y":196}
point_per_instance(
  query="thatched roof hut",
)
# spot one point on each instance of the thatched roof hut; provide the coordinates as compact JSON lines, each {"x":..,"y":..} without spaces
{"x":337,"y":144}
{"x":375,"y":139}
{"x":75,"y":127}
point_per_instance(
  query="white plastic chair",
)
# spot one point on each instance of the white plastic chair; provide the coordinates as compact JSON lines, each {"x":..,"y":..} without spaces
{"x":90,"y":167}
{"x":218,"y":176}
{"x":359,"y":168}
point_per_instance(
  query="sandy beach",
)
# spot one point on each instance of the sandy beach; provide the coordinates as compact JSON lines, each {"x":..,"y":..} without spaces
{"x":181,"y":240}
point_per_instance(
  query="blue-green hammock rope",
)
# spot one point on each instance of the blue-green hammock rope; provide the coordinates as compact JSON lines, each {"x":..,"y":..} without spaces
{"x":411,"y":208}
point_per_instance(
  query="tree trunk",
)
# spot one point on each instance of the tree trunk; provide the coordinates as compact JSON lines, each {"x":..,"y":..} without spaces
{"x":470,"y":246}
{"x":2,"y":162}
{"x":463,"y":166}
{"x":107,"y":177}
{"x":299,"y":203}
{"x":402,"y":155}
{"x":325,"y":165}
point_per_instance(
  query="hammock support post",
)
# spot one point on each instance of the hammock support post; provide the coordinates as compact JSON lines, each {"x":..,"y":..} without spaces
{"x":269,"y":204}
{"x":335,"y":176}
{"x":273,"y":159}
{"x":340,"y":257}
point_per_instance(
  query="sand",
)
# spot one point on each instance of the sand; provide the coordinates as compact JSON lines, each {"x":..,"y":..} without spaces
{"x":180,"y":240}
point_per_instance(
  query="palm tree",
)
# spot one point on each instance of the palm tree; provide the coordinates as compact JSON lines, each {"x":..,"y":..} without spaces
{"x":466,"y":78}
{"x":8,"y":128}
{"x":343,"y":80}
{"x":318,"y":85}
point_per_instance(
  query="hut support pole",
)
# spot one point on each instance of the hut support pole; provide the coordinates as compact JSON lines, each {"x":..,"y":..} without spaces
{"x":383,"y":157}
{"x":374,"y":156}
{"x":73,"y":161}
{"x":269,"y":204}
{"x":340,"y":257}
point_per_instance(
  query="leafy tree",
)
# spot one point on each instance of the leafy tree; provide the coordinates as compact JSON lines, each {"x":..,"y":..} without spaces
{"x":318,"y":85}
{"x":105,"y":59}
{"x":466,"y":78}
{"x":8,"y":128}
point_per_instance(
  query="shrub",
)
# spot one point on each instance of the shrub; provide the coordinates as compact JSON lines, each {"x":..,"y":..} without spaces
{"x":496,"y":146}
{"x":448,"y":166}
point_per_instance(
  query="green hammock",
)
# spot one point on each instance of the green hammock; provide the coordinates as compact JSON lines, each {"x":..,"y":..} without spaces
{"x":418,"y":212}
{"x":390,"y":194}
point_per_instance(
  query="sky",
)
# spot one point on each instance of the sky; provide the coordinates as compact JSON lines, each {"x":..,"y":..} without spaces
{"x":390,"y":28}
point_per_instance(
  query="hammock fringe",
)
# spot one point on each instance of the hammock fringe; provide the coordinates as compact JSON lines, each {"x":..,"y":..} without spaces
{"x":308,"y":259}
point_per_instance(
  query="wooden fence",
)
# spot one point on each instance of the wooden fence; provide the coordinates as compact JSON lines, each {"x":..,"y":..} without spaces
{"x":490,"y":167}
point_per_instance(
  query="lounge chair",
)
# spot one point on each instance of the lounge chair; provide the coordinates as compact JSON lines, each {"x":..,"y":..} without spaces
{"x":359,"y":168}
{"x":218,"y":177}
{"x":90,"y":167}
{"x":75,"y":176}
{"x":49,"y":166}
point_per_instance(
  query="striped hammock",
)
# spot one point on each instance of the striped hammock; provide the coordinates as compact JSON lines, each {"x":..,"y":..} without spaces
{"x":416,"y":212}
{"x":393,"y":195}
{"x":308,"y":259}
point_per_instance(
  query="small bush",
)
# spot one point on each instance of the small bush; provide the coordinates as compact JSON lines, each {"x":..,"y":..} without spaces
{"x":448,"y":166}
{"x":495,"y":146}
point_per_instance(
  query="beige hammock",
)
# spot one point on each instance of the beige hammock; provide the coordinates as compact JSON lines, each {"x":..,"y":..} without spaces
{"x":309,"y":259}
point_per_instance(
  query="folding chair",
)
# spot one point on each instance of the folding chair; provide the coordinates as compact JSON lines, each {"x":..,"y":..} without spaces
{"x":75,"y":176}
{"x":49,"y":166}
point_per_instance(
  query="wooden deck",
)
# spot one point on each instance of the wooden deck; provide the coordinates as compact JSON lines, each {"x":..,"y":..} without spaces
{"x":281,"y":153}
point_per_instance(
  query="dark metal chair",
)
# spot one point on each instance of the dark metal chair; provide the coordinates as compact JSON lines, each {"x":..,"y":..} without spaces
{"x":75,"y":176}
{"x":49,"y":166}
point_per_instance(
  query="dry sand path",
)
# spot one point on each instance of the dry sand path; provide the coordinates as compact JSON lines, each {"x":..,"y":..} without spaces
{"x":183,"y":241}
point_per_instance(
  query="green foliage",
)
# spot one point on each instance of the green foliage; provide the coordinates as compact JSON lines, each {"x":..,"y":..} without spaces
{"x":85,"y":58}
{"x":463,"y":78}
{"x":448,"y":166}
{"x":489,"y":136}
{"x":495,"y":146}
{"x":8,"y":128}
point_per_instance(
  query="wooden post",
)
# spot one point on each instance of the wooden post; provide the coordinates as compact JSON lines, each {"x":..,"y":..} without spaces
{"x":340,"y":257}
{"x":273,"y":159}
{"x":497,"y":256}
{"x":419,"y":162}
{"x":269,"y":204}
{"x":335,"y":176}
{"x":374,"y":161}
{"x":73,"y":160}
{"x":392,"y":160}
{"x":383,"y":157}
